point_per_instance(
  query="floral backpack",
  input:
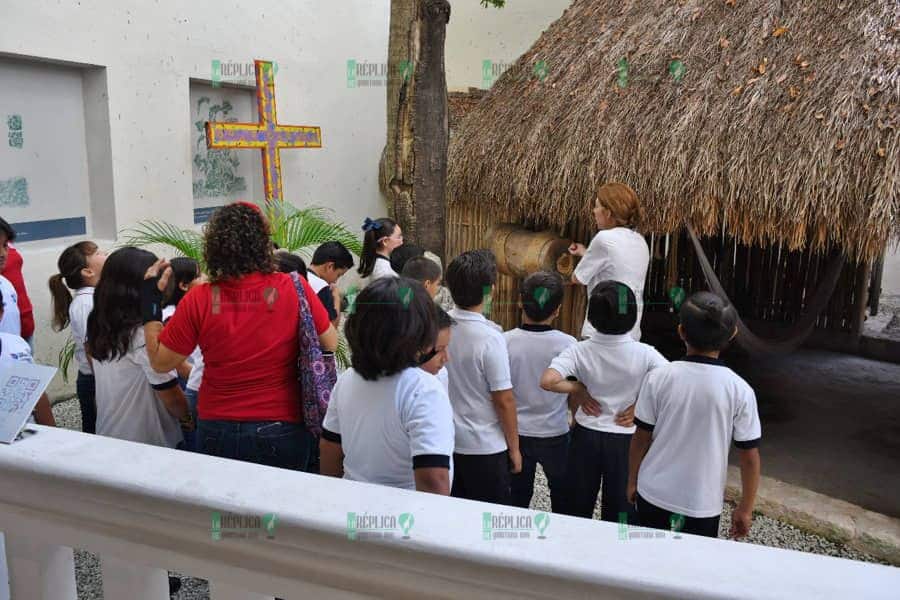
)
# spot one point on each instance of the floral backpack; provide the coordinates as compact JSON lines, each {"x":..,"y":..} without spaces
{"x":318,"y":371}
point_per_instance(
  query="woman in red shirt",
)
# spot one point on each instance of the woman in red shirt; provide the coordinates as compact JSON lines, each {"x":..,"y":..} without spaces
{"x":246,"y":322}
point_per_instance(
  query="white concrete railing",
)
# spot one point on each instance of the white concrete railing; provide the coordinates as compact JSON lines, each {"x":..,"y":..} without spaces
{"x":145,"y":509}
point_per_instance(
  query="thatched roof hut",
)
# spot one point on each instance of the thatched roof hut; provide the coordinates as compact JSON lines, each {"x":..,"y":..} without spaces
{"x":767,"y":124}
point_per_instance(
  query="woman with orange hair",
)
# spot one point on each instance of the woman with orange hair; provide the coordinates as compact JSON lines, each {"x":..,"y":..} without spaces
{"x":617,"y":252}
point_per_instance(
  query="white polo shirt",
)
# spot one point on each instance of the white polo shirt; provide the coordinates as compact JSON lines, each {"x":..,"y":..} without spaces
{"x":127,"y":405}
{"x":531,"y":348}
{"x":382,"y":269}
{"x":315,"y":282}
{"x":196,"y":376}
{"x":14,"y":349}
{"x":10,"y":323}
{"x":694,"y":407}
{"x":444,"y":378}
{"x":618,"y":254}
{"x":391,"y":426}
{"x":479,"y":366}
{"x":79,"y":311}
{"x":612,"y":368}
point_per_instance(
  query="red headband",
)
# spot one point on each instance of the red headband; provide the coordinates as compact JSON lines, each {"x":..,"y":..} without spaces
{"x":249,"y":205}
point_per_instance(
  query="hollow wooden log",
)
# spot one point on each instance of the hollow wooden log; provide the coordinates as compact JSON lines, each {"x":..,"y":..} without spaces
{"x":521,"y":252}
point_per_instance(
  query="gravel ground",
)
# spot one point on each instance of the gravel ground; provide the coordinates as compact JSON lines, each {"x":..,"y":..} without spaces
{"x":765,"y":531}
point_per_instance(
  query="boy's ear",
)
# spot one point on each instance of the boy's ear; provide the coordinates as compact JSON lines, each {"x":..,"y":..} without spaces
{"x":681,"y":332}
{"x":734,"y":335}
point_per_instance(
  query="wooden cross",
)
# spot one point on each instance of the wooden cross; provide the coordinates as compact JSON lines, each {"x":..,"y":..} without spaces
{"x":267,"y":135}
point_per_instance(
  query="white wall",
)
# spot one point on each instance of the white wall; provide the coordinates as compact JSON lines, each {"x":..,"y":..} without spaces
{"x":149,"y":51}
{"x":476,"y":34}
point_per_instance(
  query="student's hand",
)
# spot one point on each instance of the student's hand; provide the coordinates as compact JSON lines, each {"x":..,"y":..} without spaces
{"x":741,"y":520}
{"x":515,"y":459}
{"x":577,"y":249}
{"x":626,"y":417}
{"x":631,"y":492}
{"x":161,"y":269}
{"x":588,"y":405}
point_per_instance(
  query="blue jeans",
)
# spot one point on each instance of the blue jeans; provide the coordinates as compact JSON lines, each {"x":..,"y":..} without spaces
{"x":552,"y":454}
{"x":190,"y":437}
{"x":271,"y":443}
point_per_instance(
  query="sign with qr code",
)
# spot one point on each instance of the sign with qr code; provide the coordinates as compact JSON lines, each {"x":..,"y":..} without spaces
{"x":21,"y":386}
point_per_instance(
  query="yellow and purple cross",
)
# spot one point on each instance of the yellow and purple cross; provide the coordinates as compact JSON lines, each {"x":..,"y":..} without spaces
{"x":267,"y":135}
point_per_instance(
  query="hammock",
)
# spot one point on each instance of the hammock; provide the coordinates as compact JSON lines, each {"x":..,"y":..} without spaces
{"x":797,"y":333}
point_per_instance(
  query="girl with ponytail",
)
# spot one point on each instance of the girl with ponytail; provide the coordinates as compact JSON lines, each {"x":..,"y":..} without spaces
{"x":79,"y":267}
{"x":379,"y":240}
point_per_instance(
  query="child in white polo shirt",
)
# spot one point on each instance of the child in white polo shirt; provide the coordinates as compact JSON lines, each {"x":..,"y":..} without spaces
{"x":484,"y":410}
{"x":388,"y":421}
{"x":543,"y":416}
{"x":329,"y":263}
{"x":606,"y":372}
{"x":687,"y":414}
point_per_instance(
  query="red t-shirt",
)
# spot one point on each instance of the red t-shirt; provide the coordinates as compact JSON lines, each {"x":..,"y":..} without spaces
{"x":248,"y":332}
{"x":13,"y":271}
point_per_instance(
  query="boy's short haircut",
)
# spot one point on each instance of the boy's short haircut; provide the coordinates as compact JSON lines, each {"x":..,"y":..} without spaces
{"x":612,"y":308}
{"x":422,"y":269}
{"x":541,"y":294}
{"x":394,"y":323}
{"x":470,"y":277}
{"x":444,"y":320}
{"x":402,"y":254}
{"x":288,"y":263}
{"x":333,"y":252}
{"x":708,"y":321}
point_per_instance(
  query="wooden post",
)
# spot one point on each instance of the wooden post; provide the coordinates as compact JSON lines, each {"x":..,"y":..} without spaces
{"x":875,"y":289}
{"x":860,"y":302}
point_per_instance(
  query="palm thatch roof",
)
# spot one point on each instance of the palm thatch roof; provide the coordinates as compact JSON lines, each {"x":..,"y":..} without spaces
{"x":775,"y":119}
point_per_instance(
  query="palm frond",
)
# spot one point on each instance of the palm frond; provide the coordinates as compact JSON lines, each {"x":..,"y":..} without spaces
{"x":342,"y":354}
{"x":65,"y":358}
{"x":186,"y":242}
{"x":296,"y":229}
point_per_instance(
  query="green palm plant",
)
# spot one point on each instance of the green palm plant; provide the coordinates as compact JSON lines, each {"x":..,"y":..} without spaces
{"x":294,"y":229}
{"x":66,"y":356}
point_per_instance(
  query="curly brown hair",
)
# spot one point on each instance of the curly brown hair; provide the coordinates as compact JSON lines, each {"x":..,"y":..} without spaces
{"x":236,"y":243}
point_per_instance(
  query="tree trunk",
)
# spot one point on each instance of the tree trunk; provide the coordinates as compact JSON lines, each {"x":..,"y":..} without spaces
{"x":413,"y":169}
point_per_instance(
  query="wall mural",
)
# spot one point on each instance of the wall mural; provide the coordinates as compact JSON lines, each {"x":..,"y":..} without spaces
{"x":14,"y":192}
{"x":218,"y":167}
{"x":14,"y":122}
